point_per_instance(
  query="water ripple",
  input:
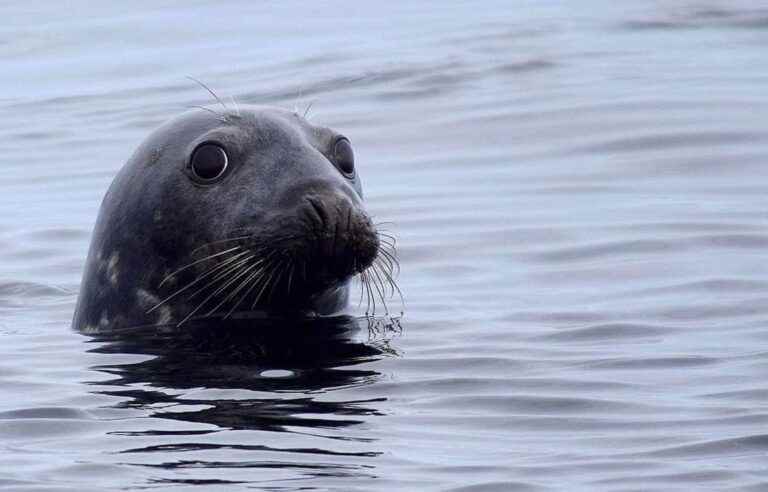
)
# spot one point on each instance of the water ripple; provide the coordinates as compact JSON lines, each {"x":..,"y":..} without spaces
{"x":579,"y":195}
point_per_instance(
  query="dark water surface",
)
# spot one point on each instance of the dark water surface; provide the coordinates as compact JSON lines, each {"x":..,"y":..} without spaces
{"x":580,"y":192}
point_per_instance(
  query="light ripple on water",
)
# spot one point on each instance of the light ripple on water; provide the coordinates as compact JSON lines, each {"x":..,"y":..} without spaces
{"x":579,"y":195}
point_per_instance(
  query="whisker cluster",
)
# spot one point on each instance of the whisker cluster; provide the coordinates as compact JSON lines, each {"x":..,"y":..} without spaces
{"x":378,"y":280}
{"x":238,"y":275}
{"x":228,"y":281}
{"x":220,"y":116}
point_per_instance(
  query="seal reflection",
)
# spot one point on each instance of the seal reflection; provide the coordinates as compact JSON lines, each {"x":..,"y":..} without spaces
{"x":273,"y":358}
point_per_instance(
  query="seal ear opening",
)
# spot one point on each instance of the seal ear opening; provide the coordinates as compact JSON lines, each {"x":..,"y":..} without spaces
{"x":208,"y":163}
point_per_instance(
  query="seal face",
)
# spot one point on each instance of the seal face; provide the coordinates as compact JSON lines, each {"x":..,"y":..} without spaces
{"x":221,"y":213}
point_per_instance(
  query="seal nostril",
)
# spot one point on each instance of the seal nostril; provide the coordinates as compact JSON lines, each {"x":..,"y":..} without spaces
{"x":322,"y":214}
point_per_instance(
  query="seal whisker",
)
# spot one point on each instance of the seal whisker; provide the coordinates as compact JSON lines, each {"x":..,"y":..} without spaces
{"x":387,"y":235}
{"x":252,"y":284}
{"x":264,"y":287}
{"x":279,"y":268}
{"x":209,"y":90}
{"x":388,"y":247}
{"x":309,"y":106}
{"x":221,"y":265}
{"x":368,"y":295}
{"x":221,"y":275}
{"x":261,"y":281}
{"x":218,"y":242}
{"x":167,"y":277}
{"x":218,"y":115}
{"x":383,"y":234}
{"x":392,"y":258}
{"x":387,"y":239}
{"x":360,"y":279}
{"x":396,"y":288}
{"x":386,"y":244}
{"x":234,"y":103}
{"x":384,"y":283}
{"x":370,"y":290}
{"x":378,"y":285}
{"x":268,"y":265}
{"x":384,"y":260}
{"x":390,"y":278}
{"x":290,"y":277}
{"x":383,"y":269}
{"x":390,"y":250}
{"x":363,"y":290}
{"x":236,"y":290}
{"x":226,"y":284}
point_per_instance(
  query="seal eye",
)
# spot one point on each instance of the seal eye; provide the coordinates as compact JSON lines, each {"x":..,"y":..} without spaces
{"x":208,"y":163}
{"x":344,"y":157}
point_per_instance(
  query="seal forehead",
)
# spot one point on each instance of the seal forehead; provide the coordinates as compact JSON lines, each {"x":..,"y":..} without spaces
{"x":248,"y":126}
{"x":273,"y":120}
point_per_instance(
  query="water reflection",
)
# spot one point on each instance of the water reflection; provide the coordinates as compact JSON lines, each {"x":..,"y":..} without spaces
{"x":274,"y":359}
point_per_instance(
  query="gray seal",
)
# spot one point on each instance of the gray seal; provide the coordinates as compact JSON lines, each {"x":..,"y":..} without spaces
{"x":218,"y":213}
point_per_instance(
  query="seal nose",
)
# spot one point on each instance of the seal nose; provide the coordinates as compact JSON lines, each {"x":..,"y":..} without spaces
{"x":343,"y":236}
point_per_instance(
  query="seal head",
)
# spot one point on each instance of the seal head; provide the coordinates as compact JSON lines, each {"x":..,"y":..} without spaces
{"x":220,"y":214}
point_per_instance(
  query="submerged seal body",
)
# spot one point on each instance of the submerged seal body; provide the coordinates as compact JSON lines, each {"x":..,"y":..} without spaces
{"x":225,"y":213}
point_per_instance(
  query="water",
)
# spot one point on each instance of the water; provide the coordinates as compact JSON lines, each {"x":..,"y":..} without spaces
{"x":579,"y":191}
